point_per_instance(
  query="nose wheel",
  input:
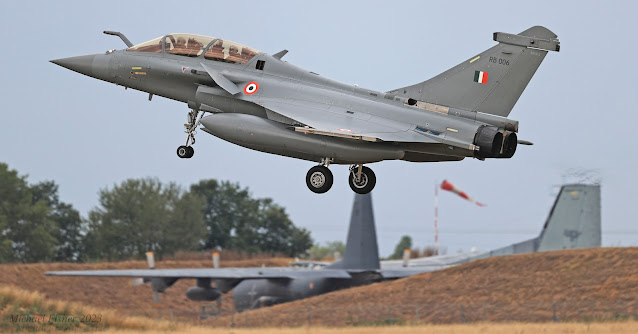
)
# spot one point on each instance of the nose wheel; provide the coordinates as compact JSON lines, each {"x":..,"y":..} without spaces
{"x":361,"y":179}
{"x":185,"y":152}
{"x":194,"y":119}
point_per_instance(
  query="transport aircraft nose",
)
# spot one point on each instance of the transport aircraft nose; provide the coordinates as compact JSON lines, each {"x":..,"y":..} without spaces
{"x":80,"y":64}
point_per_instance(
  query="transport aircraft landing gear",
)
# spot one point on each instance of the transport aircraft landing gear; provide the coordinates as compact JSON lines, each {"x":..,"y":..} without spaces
{"x":361,"y":179}
{"x":194,"y":119}
{"x":319,"y":178}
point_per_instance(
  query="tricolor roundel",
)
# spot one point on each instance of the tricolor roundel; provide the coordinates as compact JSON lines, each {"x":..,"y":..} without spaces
{"x":480,"y":77}
{"x":251,"y":88}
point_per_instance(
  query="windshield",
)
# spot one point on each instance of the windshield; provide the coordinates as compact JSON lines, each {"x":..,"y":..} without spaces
{"x":195,"y":45}
{"x":230,"y":52}
{"x":154,"y":45}
{"x":186,"y":44}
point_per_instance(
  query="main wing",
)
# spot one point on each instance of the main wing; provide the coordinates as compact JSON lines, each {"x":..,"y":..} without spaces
{"x":329,"y":120}
{"x":223,"y":273}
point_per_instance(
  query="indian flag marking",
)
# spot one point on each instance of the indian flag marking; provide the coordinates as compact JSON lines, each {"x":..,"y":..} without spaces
{"x":480,"y":77}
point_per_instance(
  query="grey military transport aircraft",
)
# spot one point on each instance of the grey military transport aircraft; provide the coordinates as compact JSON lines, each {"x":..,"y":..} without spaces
{"x":258,"y":101}
{"x":574,"y":222}
{"x":256,"y":287}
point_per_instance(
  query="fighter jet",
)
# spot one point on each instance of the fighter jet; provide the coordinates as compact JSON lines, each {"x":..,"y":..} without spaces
{"x":574,"y":222}
{"x":261,"y":102}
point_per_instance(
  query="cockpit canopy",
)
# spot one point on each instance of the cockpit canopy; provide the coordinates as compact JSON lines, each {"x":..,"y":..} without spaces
{"x":195,"y":45}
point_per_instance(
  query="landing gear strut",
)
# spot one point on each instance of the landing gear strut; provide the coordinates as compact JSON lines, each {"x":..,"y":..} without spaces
{"x":361,"y":179}
{"x":319,"y":178}
{"x":194,"y":119}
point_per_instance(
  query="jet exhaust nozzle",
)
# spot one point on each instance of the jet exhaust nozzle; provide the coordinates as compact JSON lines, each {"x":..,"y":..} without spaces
{"x":489,"y":141}
{"x":509,"y":145}
{"x":493,"y":143}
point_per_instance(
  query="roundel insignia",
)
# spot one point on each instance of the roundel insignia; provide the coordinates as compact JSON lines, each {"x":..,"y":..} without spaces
{"x":251,"y":88}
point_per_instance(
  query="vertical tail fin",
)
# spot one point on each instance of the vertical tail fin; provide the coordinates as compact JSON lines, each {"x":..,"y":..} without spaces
{"x":361,"y":251}
{"x":492,"y":81}
{"x":574,"y":221}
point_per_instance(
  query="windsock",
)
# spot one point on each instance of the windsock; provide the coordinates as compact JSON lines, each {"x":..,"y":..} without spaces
{"x":450,"y":187}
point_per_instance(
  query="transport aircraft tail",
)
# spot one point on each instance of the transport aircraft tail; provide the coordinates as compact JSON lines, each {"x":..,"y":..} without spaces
{"x":573,"y":222}
{"x":362,"y":252}
{"x":492,"y":81}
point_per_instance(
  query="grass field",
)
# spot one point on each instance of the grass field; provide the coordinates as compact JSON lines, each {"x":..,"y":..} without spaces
{"x":492,"y":328}
{"x":588,"y":290}
{"x":16,"y":302}
{"x":25,"y":311}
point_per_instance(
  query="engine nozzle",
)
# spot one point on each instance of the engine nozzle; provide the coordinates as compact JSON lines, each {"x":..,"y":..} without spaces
{"x":493,"y":143}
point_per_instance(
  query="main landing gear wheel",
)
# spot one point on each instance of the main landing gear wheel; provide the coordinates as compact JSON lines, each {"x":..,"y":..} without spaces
{"x":319,"y":179}
{"x":361,"y":179}
{"x":185,"y":152}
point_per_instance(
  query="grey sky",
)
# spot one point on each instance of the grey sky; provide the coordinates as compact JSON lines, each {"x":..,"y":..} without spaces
{"x":579,"y":109}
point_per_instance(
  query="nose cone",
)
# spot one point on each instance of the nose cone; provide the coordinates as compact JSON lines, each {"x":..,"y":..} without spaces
{"x":80,"y":64}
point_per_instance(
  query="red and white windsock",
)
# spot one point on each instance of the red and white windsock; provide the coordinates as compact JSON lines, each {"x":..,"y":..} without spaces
{"x":450,"y":187}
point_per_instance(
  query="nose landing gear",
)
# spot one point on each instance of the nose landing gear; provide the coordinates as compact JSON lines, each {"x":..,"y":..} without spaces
{"x":194,"y":119}
{"x":185,"y":152}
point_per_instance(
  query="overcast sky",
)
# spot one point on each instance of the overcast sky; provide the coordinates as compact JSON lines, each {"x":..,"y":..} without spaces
{"x":579,"y":109}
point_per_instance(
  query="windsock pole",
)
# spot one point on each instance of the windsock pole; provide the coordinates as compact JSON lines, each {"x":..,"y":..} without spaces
{"x":436,"y":218}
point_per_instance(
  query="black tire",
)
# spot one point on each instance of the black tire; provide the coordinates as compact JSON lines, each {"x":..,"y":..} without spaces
{"x":183,"y":152}
{"x":191,"y":151}
{"x":319,"y":179}
{"x":367,"y":182}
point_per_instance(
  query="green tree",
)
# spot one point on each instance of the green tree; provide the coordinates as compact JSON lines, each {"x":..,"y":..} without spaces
{"x":237,"y":221}
{"x":141,"y":215}
{"x":318,"y":252}
{"x":70,"y":228}
{"x":275,"y":232}
{"x":404,"y":243}
{"x":27,"y":232}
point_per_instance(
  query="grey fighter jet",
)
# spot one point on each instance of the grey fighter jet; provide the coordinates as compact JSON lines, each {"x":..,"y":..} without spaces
{"x":258,"y":101}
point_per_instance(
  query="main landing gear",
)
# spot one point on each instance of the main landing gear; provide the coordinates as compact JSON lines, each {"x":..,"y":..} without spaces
{"x":361,"y":179}
{"x":319,"y":178}
{"x":194,"y":119}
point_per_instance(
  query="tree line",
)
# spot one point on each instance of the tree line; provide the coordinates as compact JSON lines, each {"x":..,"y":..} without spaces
{"x":139,"y":215}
